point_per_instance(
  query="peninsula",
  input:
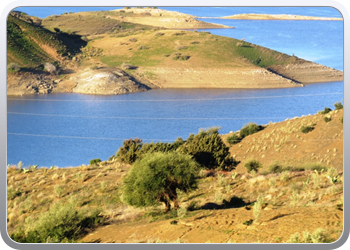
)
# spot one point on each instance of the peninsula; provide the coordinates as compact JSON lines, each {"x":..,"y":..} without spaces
{"x":138,"y":49}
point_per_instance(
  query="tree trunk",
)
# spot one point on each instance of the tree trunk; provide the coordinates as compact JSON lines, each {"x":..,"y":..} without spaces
{"x":167,"y":206}
{"x":176,"y":203}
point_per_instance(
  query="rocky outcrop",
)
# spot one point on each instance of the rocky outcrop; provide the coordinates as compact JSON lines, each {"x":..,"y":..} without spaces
{"x":29,"y":83}
{"x":105,"y":82}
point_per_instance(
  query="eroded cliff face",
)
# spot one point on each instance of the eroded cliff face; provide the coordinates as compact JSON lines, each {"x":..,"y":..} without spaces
{"x":99,"y":82}
{"x":29,"y":83}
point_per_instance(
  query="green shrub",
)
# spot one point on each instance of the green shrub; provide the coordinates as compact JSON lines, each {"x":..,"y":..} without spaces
{"x":63,"y":222}
{"x":307,"y":129}
{"x":249,"y":129}
{"x":327,"y":119}
{"x":276,"y":168}
{"x":252,"y":165}
{"x":233,"y":139}
{"x":95,"y":161}
{"x":133,"y":150}
{"x":158,"y":177}
{"x":208,"y":149}
{"x":338,"y":105}
{"x":128,"y":153}
{"x":325,"y":111}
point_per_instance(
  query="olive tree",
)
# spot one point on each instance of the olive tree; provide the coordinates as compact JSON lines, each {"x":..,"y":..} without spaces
{"x":157,"y":177}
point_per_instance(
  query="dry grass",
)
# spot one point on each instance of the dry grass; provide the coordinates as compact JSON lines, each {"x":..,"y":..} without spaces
{"x":300,"y":187}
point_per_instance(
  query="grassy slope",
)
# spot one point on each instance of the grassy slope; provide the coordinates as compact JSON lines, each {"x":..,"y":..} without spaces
{"x":205,"y":50}
{"x":220,"y":51}
{"x":294,"y":201}
{"x":25,"y":42}
{"x":90,"y":23}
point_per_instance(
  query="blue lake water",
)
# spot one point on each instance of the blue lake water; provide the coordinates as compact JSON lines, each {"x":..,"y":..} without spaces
{"x":71,"y":129}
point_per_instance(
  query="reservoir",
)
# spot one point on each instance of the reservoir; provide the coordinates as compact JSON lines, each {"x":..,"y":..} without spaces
{"x":71,"y":129}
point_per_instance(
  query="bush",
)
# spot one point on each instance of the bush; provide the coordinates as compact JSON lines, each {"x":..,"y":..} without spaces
{"x":307,"y":129}
{"x":158,"y":177}
{"x":249,"y":129}
{"x":325,"y":111}
{"x":276,"y":168}
{"x":327,"y":119}
{"x":338,"y":105}
{"x":252,"y":165}
{"x":233,"y":139}
{"x":63,"y":222}
{"x":128,"y":153}
{"x":95,"y":161}
{"x":208,"y":149}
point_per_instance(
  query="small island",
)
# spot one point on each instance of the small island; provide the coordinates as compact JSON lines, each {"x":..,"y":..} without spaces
{"x":252,"y":16}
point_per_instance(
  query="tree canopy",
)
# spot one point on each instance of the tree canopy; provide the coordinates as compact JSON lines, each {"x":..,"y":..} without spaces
{"x":157,"y":177}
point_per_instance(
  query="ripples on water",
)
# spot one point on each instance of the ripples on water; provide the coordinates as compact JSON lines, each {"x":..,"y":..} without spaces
{"x":72,"y":129}
{"x":75,"y":128}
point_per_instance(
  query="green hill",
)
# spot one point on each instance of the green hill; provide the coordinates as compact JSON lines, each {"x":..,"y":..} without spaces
{"x":30,"y":45}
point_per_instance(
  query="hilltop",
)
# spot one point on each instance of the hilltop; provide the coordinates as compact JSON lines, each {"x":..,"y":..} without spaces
{"x":298,"y":190}
{"x":142,"y":49}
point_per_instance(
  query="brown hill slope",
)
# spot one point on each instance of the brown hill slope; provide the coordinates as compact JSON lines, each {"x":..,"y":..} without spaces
{"x":228,"y":207}
{"x":284,"y":143}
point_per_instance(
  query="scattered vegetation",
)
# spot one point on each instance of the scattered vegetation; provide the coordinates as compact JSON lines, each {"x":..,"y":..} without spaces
{"x":62,"y":223}
{"x":318,"y":236}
